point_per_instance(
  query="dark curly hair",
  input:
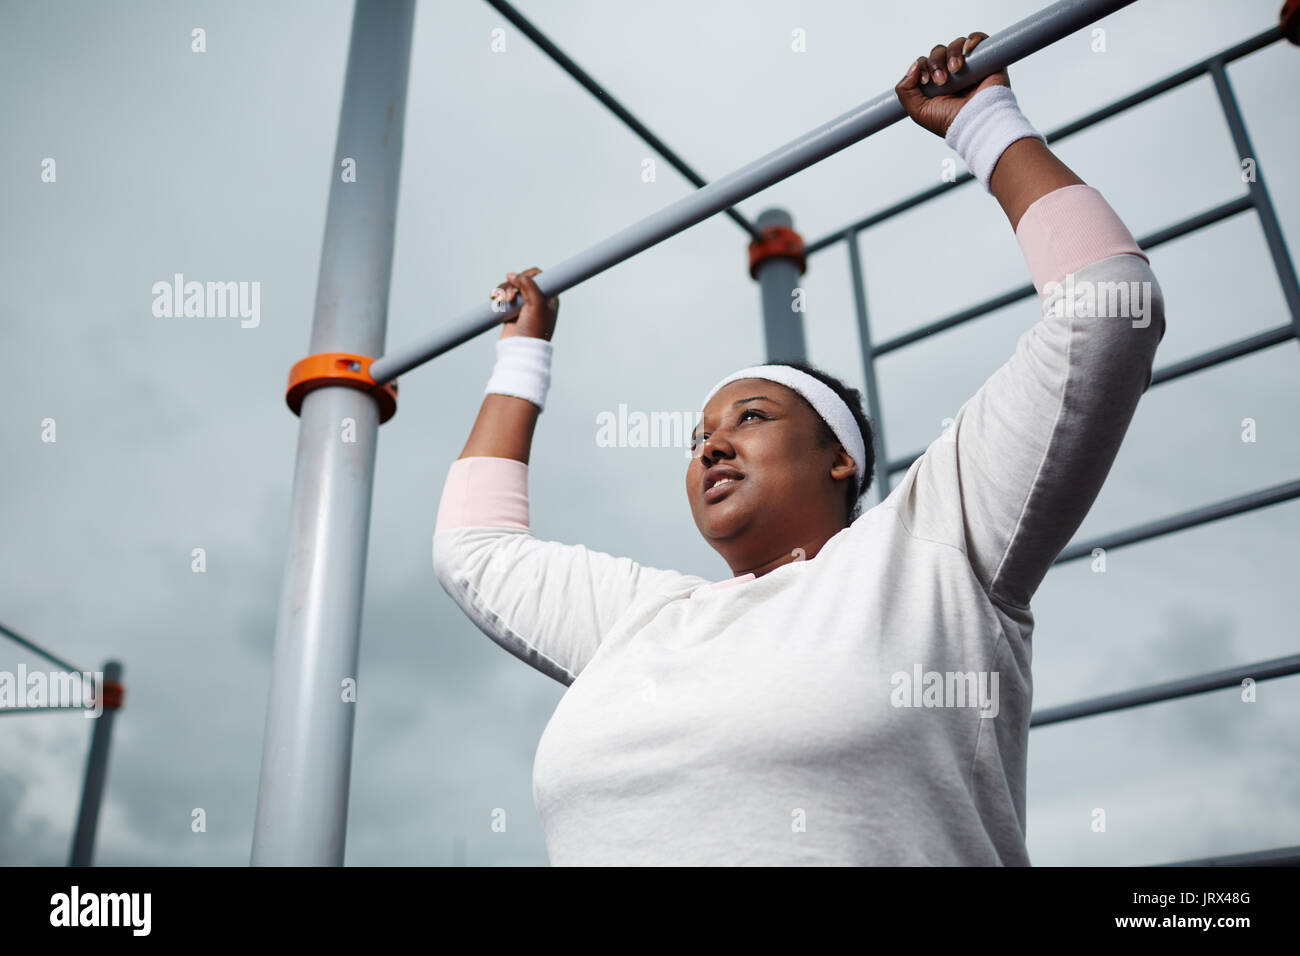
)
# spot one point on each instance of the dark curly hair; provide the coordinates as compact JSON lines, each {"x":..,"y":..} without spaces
{"x":852,"y":398}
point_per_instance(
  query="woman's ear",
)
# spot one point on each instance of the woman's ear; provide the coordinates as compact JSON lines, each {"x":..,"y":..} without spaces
{"x":843,"y":466}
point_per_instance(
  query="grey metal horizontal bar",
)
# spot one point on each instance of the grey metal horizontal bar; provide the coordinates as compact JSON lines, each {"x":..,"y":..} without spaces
{"x":1282,"y":856}
{"x":1225,"y":353}
{"x":999,"y":301}
{"x":37,"y":649}
{"x":1008,"y":46}
{"x":614,"y":106}
{"x":1174,"y":80}
{"x":36,"y":710}
{"x":1169,"y":690}
{"x":1207,"y":359}
{"x":1188,"y":519}
{"x":902,"y":464}
{"x":1069,"y":129}
{"x":889,"y":212}
{"x":1209,"y":217}
{"x":1176,"y":231}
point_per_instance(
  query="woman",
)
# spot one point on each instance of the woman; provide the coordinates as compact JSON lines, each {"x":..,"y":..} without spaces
{"x":858,"y":692}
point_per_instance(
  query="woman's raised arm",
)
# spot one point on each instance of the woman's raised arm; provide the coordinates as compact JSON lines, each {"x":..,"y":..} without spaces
{"x":1013,"y":478}
{"x":505,"y":424}
{"x":1019,"y":174}
{"x":549,"y":604}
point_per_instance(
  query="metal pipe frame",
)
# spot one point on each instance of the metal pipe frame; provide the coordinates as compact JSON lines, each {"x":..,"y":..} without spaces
{"x":874,"y":413}
{"x":1003,"y":49}
{"x":291,"y":784}
{"x":618,"y":109}
{"x":1185,"y":75}
{"x":1256,"y":198}
{"x":778,"y":278}
{"x":38,"y":650}
{"x":1169,"y":690}
{"x":1282,"y":856}
{"x":92,"y":791}
{"x":92,"y":785}
{"x":307,"y":752}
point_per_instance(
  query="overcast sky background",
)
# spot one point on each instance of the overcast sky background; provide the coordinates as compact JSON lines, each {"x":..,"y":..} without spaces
{"x":173,"y":433}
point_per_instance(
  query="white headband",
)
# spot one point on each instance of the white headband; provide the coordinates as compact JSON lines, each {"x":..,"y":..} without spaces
{"x":820,"y":396}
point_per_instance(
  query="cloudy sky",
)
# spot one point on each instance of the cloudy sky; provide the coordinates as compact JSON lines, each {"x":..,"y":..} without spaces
{"x":172,"y":433}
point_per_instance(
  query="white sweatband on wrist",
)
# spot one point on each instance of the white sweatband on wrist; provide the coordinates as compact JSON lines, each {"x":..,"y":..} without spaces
{"x":983,"y":128}
{"x":523,"y":369}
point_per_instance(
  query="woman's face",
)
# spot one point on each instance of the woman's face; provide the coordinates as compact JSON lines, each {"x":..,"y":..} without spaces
{"x":785,"y":486}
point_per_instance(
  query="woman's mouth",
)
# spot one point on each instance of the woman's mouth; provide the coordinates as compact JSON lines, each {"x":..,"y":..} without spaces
{"x":721,"y":489}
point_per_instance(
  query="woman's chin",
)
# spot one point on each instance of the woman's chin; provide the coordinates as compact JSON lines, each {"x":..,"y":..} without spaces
{"x":722,"y":521}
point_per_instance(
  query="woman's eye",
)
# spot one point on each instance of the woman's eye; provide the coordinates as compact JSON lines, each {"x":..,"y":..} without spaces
{"x":695,"y":442}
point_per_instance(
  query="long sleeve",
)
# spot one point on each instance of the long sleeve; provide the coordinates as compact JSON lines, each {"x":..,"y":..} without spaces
{"x":1014,"y":476}
{"x":549,"y":604}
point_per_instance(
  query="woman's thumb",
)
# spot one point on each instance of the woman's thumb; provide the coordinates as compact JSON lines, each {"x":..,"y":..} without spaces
{"x":909,"y":89}
{"x":530,"y":288}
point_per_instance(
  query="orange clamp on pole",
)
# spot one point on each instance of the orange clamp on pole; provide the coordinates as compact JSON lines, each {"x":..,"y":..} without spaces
{"x":112,"y":693}
{"x":339,"y":368}
{"x":1289,"y":20}
{"x":777,"y":241}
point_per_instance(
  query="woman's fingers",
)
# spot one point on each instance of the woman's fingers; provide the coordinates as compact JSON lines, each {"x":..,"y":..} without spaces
{"x":971,"y":41}
{"x":937,"y":113}
{"x":527,"y":274}
{"x":939,"y":65}
{"x":522,"y":282}
{"x":553,"y":303}
{"x":505,"y":291}
{"x":955,"y":59}
{"x":1000,"y":78}
{"x":966,"y":44}
{"x":532,"y":294}
{"x":943,"y":61}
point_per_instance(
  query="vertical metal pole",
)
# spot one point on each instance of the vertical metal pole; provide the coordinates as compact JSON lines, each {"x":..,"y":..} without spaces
{"x":307,"y":753}
{"x":1258,"y":193}
{"x":83,"y":840}
{"x":868,"y":364}
{"x":778,"y":277}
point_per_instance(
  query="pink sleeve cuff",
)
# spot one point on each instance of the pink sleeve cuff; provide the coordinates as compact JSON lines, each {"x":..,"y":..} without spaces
{"x":484,"y":491}
{"x":1067,"y":229}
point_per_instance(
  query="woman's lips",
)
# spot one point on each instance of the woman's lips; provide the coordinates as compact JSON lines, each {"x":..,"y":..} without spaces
{"x":721,"y":489}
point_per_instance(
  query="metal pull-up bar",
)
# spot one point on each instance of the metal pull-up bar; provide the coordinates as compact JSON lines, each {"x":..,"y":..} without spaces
{"x":1001,"y":50}
{"x":110,"y":699}
{"x":306,"y":756}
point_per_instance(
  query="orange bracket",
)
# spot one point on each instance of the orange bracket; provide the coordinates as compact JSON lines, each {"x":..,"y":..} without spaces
{"x":777,"y":241}
{"x":112,"y":693}
{"x":338,"y":368}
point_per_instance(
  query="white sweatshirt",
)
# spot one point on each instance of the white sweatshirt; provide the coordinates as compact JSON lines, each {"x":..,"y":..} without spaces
{"x":795,"y":718}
